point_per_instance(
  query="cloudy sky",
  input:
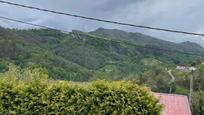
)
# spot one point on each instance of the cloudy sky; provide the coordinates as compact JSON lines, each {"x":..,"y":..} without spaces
{"x":185,"y":15}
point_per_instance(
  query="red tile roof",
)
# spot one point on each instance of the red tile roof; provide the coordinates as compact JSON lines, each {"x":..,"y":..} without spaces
{"x":174,"y":104}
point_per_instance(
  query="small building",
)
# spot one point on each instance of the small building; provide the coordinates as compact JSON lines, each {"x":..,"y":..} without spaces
{"x":186,"y":69}
{"x":180,"y":67}
{"x":183,"y":68}
{"x":192,"y":68}
{"x":174,"y":104}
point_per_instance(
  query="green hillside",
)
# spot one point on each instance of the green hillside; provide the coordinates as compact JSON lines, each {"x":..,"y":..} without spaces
{"x":111,"y":55}
{"x":141,"y":39}
{"x":103,"y":54}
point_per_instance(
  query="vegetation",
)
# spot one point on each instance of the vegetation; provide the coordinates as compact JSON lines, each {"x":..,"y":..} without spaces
{"x":198,"y":103}
{"x":182,"y":85}
{"x":111,"y":55}
{"x":79,"y":56}
{"x":28,"y":91}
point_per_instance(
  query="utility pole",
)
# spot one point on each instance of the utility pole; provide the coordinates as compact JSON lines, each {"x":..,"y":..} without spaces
{"x":192,"y":69}
{"x":200,"y":101}
{"x":191,"y":88}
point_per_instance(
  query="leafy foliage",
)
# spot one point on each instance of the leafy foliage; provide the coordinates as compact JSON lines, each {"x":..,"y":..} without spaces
{"x":198,"y":103}
{"x":28,"y":91}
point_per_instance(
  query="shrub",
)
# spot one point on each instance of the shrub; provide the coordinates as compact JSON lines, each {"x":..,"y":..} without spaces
{"x":40,"y":96}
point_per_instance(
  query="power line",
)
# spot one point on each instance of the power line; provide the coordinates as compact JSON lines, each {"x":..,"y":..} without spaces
{"x":36,"y":25}
{"x":140,"y":46}
{"x":103,"y":20}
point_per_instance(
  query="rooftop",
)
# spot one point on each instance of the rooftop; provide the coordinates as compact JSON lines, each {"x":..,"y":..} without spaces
{"x":174,"y":104}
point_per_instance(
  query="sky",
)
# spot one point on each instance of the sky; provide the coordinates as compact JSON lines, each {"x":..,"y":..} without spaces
{"x":184,"y":15}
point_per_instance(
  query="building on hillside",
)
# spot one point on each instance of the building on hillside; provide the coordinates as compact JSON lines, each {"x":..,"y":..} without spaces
{"x":192,"y":68}
{"x":174,"y":104}
{"x":186,"y":69}
{"x":182,"y":68}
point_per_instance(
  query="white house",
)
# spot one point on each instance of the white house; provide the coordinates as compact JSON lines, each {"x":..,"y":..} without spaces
{"x":186,"y":69}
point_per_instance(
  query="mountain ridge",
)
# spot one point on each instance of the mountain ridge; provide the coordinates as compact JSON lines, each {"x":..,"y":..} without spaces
{"x":142,"y":39}
{"x":81,"y":56}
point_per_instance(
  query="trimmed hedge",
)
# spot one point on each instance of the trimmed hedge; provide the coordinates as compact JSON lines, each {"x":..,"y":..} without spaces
{"x":39,"y":96}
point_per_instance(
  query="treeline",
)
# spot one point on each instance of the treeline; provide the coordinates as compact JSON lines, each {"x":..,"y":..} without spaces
{"x":28,"y":91}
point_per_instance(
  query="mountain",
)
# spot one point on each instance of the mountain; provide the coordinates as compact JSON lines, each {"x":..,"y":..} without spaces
{"x":101,"y":54}
{"x":141,"y":39}
{"x":136,"y":38}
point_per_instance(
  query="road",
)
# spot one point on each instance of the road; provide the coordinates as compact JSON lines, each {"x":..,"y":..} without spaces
{"x":172,"y":76}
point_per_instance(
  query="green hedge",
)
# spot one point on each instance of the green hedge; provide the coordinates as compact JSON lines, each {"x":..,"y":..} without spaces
{"x":36,"y":95}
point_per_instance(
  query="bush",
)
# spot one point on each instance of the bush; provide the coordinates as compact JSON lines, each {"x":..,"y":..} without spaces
{"x":41,"y":96}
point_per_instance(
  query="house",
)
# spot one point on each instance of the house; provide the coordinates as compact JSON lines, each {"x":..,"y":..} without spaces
{"x":186,"y":69}
{"x":183,"y":68}
{"x":174,"y":104}
{"x":192,"y":68}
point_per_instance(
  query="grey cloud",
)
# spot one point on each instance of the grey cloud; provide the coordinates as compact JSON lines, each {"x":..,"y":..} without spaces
{"x":186,"y":15}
